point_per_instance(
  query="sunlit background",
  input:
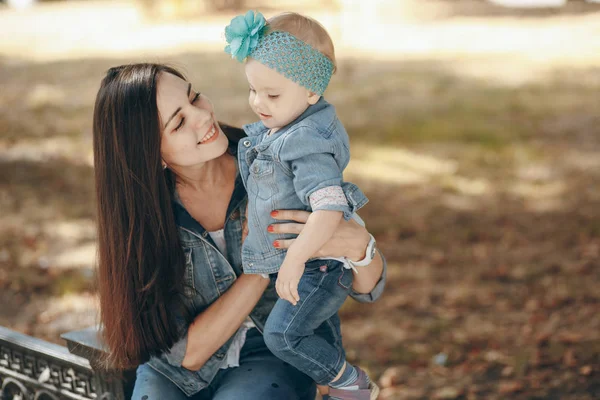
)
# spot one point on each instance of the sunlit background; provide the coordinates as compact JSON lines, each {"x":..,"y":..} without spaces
{"x":475,"y":130}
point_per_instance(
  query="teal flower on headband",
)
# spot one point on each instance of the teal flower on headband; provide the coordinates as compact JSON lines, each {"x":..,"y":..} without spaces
{"x":242,"y":34}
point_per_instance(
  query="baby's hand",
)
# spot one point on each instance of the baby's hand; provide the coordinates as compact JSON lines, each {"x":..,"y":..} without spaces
{"x":287,"y":281}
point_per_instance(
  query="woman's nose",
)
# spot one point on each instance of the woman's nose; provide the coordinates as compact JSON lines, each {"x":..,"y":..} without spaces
{"x":201,"y":117}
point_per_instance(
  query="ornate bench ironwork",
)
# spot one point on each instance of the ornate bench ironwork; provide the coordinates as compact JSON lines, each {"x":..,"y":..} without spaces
{"x":33,"y":369}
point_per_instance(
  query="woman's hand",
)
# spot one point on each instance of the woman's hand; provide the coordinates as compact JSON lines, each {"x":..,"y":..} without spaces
{"x":350,"y":240}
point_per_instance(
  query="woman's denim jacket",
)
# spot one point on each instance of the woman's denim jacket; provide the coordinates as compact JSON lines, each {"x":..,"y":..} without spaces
{"x":283,"y":170}
{"x":208,"y":275}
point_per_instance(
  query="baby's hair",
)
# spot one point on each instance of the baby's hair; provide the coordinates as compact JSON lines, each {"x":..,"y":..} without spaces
{"x":305,"y":29}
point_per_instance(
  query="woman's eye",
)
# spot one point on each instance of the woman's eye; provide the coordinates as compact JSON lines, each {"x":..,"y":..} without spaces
{"x":180,"y":124}
{"x":273,"y":96}
{"x":196,"y":97}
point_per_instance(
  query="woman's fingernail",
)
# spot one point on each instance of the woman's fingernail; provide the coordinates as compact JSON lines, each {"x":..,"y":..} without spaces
{"x":274,"y":213}
{"x":276,"y":243}
{"x":270,"y":228}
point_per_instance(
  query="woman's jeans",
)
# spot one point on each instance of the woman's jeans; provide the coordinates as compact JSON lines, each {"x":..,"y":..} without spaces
{"x":308,"y":334}
{"x":260,"y":376}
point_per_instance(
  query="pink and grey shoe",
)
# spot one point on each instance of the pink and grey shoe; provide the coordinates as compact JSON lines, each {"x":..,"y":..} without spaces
{"x":362,"y":389}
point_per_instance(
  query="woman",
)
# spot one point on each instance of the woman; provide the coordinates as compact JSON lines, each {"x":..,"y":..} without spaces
{"x":171,"y":207}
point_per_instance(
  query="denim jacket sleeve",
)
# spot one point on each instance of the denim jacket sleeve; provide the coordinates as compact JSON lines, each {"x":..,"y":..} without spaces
{"x":176,"y":354}
{"x":316,"y":162}
{"x":377,"y":291}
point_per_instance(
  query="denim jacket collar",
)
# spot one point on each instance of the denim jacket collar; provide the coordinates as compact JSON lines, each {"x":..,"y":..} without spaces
{"x":259,"y":128}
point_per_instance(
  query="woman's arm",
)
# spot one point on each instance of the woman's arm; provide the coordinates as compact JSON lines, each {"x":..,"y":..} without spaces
{"x":349,"y":240}
{"x":215,"y":325}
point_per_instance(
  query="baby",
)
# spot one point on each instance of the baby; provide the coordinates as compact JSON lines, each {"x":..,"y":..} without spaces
{"x":294,"y":158}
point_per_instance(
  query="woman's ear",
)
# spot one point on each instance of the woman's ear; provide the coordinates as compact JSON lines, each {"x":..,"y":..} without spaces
{"x":313,"y":98}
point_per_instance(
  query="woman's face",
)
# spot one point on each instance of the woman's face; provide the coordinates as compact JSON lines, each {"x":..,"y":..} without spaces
{"x":190,"y":133}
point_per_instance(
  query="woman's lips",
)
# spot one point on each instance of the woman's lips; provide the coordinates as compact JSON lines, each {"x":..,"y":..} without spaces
{"x":211,"y":135}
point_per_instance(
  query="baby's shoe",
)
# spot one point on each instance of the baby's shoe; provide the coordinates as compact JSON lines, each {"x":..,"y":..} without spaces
{"x":361,"y":389}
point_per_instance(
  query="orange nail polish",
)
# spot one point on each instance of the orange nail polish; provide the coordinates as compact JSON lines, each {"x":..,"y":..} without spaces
{"x":276,"y":243}
{"x":270,"y":228}
{"x":274,"y":213}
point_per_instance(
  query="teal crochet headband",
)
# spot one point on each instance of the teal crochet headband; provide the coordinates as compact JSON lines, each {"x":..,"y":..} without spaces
{"x":281,"y":51}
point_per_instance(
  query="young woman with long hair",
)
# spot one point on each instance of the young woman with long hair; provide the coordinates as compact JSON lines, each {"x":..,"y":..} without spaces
{"x":174,"y":301}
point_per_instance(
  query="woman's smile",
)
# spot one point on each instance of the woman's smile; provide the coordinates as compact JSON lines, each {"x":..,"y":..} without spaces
{"x":210,"y":136}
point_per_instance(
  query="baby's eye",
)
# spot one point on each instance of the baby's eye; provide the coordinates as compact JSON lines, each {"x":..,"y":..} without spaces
{"x":273,"y":96}
{"x":252,"y":90}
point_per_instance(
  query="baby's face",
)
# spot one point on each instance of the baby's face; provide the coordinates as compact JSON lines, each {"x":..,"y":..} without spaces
{"x":275,"y":99}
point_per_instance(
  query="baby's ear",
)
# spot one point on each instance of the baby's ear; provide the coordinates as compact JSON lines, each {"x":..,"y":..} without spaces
{"x":313,"y":98}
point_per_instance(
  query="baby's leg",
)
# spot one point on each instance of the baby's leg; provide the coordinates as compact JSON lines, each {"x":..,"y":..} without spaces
{"x":291,"y":331}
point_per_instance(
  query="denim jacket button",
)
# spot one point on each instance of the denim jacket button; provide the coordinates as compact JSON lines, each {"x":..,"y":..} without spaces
{"x":246,"y":143}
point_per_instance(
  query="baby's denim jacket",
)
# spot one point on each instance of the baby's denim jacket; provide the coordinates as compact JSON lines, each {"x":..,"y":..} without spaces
{"x":282,"y":170}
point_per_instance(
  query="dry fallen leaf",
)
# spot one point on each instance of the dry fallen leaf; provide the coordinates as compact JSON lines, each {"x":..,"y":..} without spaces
{"x":585,"y":370}
{"x":447,"y":393}
{"x":510,"y":387}
{"x":569,"y":358}
{"x":570,"y":337}
{"x":543,"y":337}
{"x":392,"y":377}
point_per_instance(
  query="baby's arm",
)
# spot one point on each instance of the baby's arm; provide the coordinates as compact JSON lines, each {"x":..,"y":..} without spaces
{"x":318,"y":230}
{"x":317,"y":178}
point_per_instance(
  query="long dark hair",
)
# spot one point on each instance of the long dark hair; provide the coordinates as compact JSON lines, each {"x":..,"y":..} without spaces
{"x":141,"y":263}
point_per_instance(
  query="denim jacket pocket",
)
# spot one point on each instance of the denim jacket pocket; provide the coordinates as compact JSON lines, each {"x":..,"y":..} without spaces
{"x":262,"y":179}
{"x":261,"y":168}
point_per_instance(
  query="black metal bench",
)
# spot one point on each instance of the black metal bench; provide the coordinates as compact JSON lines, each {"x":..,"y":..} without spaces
{"x":33,"y":369}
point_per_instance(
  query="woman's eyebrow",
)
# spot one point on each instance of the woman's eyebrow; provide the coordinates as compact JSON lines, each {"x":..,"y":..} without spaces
{"x":189,"y":89}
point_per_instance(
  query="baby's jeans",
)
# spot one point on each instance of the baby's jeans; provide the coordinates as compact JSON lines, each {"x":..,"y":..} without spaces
{"x":291,"y":331}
